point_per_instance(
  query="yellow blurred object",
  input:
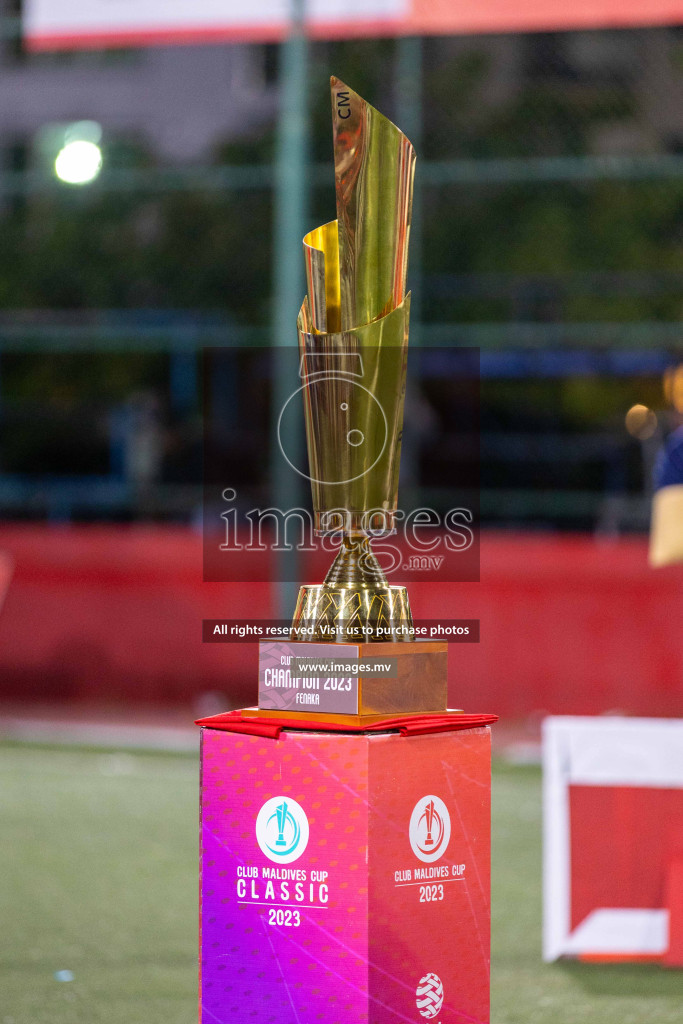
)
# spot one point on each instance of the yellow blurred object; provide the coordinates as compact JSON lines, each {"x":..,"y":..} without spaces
{"x":641,"y":422}
{"x":673,"y":387}
{"x":666,"y":529}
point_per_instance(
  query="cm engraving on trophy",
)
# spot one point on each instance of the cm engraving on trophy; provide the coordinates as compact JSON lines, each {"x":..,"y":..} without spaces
{"x":343,"y":104}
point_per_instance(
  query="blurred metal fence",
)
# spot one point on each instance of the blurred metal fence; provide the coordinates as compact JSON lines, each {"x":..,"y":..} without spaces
{"x":547,"y":232}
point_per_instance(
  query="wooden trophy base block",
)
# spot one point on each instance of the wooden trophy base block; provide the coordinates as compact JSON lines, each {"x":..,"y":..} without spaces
{"x":419,"y":687}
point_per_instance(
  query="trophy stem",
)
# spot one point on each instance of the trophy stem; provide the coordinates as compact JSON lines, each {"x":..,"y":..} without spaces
{"x":355,"y":604}
{"x":355,"y":563}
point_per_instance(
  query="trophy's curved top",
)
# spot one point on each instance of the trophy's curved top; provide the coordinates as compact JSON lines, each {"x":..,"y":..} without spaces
{"x":356,"y":266}
{"x":374,"y":166}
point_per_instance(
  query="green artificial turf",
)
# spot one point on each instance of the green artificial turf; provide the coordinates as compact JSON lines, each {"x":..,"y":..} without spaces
{"x":98,"y":876}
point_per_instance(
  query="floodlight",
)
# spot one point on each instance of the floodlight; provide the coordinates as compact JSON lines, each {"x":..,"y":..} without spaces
{"x":78,"y":162}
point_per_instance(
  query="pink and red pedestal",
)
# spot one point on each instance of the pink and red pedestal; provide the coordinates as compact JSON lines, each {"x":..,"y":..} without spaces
{"x":345,"y":874}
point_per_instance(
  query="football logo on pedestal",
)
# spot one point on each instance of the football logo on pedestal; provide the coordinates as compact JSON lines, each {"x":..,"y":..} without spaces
{"x":430,"y":828}
{"x":282,"y":829}
{"x":429,"y":995}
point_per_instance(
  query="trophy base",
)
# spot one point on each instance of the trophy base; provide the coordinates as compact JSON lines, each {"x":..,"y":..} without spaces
{"x":418,"y":683}
{"x":352,"y":613}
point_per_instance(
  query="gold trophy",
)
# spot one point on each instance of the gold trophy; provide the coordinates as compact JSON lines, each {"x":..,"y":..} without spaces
{"x":353,"y":348}
{"x":353,"y":342}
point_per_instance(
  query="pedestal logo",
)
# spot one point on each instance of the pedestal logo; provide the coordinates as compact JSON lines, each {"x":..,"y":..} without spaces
{"x":430,"y":828}
{"x":429,"y":995}
{"x":282,"y":829}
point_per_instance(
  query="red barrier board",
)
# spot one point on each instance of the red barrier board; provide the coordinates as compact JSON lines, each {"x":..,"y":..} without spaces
{"x":568,"y":625}
{"x":674,"y":901}
{"x":107,"y":614}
